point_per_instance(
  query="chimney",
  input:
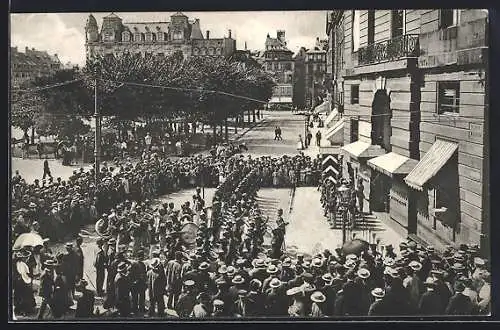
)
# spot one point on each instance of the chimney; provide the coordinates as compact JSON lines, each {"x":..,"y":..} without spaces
{"x":208,"y":34}
{"x":229,"y":33}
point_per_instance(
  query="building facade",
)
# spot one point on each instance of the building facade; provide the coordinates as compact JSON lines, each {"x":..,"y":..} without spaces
{"x":159,"y":38}
{"x":415,"y":126}
{"x":25,"y":67}
{"x":278,"y":60}
{"x":315,"y":74}
{"x":299,"y":79}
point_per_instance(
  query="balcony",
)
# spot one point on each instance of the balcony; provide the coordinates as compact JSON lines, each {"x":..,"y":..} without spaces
{"x":389,"y":50}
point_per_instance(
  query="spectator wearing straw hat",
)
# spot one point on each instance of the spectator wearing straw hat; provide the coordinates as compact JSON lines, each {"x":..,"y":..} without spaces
{"x":414,"y":285}
{"x":377,"y":307}
{"x":484,"y":295}
{"x":122,"y":285}
{"x":187,"y":300}
{"x":318,"y":306}
{"x":430,"y":302}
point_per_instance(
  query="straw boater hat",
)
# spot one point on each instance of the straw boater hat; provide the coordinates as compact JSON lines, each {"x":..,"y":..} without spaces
{"x":378,"y":293}
{"x":259,"y":263}
{"x":189,"y":283}
{"x":318,"y":297}
{"x":275,"y":283}
{"x":293,"y":291}
{"x":363,"y":273}
{"x":327,"y":278}
{"x":478,"y":261}
{"x":352,"y":257}
{"x":238,"y":279}
{"x":430,"y":282}
{"x":203,"y":266}
{"x":272,"y":269}
{"x":415,"y":265}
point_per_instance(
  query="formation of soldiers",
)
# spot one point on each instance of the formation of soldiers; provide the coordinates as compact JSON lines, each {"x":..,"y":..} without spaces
{"x":235,"y":264}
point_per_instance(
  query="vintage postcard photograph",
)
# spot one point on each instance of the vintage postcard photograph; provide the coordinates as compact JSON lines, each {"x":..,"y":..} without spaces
{"x":249,"y":165}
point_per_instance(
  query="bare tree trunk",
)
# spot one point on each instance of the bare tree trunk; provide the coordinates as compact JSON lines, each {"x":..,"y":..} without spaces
{"x":32,"y":134}
{"x":248,"y":117}
{"x":215,"y":133}
{"x":253,"y":114}
{"x":236,"y":123}
{"x":226,"y":133}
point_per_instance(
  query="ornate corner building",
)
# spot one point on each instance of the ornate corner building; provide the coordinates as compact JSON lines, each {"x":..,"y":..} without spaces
{"x":158,"y":38}
{"x":414,"y":88}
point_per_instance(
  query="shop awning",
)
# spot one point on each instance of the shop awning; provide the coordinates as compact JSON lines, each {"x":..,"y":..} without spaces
{"x":437,"y":156}
{"x":323,"y":107}
{"x":281,"y":99}
{"x":392,"y":164}
{"x":330,"y":117}
{"x":361,"y":149}
{"x":336,"y":130}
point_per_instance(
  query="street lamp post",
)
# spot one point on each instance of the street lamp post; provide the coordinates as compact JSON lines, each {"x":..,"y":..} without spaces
{"x":97,"y":144}
{"x":344,"y":194}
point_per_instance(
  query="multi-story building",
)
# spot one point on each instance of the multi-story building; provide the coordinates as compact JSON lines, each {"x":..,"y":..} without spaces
{"x":159,"y":38}
{"x":415,"y":123}
{"x":315,"y":74}
{"x":278,"y":59}
{"x":31,"y":64}
{"x":299,"y":79}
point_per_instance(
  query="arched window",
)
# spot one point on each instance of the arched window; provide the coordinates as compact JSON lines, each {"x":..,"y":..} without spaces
{"x":159,"y":36}
{"x":196,"y":51}
{"x":149,"y":36}
{"x":211,"y":51}
{"x":218,"y":51}
{"x":203,"y":51}
{"x":137,"y":37}
{"x":126,"y":36}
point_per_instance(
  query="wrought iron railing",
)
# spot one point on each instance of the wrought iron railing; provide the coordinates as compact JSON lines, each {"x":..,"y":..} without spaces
{"x":389,"y":50}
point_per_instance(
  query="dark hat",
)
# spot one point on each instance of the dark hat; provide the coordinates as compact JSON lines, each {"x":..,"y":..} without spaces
{"x":307,"y":277}
{"x":459,"y":286}
{"x":82,"y":284}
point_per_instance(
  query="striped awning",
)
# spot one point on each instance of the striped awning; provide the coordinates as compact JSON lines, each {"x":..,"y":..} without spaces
{"x":337,"y":128}
{"x":437,"y":156}
{"x":323,"y":107}
{"x":361,"y":149}
{"x":392,"y":164}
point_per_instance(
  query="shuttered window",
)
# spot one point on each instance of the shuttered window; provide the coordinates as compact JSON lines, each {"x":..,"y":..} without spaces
{"x":448,"y":97}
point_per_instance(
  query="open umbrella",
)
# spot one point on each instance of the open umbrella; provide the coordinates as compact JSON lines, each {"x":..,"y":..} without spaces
{"x":28,"y":239}
{"x":356,"y":246}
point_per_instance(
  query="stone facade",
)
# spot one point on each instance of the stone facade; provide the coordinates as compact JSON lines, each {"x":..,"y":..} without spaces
{"x":412,"y":77}
{"x":159,"y":38}
{"x":278,"y":59}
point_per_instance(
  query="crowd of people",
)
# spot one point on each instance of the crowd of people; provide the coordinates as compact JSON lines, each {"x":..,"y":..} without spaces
{"x":234,"y":264}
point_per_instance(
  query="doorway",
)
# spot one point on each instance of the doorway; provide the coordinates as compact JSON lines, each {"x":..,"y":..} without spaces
{"x":380,"y":188}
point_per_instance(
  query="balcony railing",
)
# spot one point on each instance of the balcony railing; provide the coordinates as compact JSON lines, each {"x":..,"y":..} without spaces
{"x":389,"y":50}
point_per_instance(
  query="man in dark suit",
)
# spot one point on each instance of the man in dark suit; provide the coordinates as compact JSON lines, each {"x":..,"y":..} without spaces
{"x":46,"y":290}
{"x":79,"y":259}
{"x":85,"y":302}
{"x":156,"y":289}
{"x":377,"y":308}
{"x":430,"y":302}
{"x":122,"y":289}
{"x":459,"y":303}
{"x":100,"y":264}
{"x":138,"y":276}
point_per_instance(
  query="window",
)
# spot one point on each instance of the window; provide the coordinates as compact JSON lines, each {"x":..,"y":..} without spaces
{"x":355,"y":30}
{"x":448,"y":97}
{"x":371,"y":27}
{"x":137,"y":37}
{"x":159,"y":36}
{"x":398,"y":24}
{"x":354,"y":94}
{"x":354,"y":130}
{"x":126,"y":36}
{"x":149,"y":36}
{"x":177,"y":35}
{"x":449,"y":17}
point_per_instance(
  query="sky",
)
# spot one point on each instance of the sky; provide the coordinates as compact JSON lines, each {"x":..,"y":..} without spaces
{"x":64,"y":33}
